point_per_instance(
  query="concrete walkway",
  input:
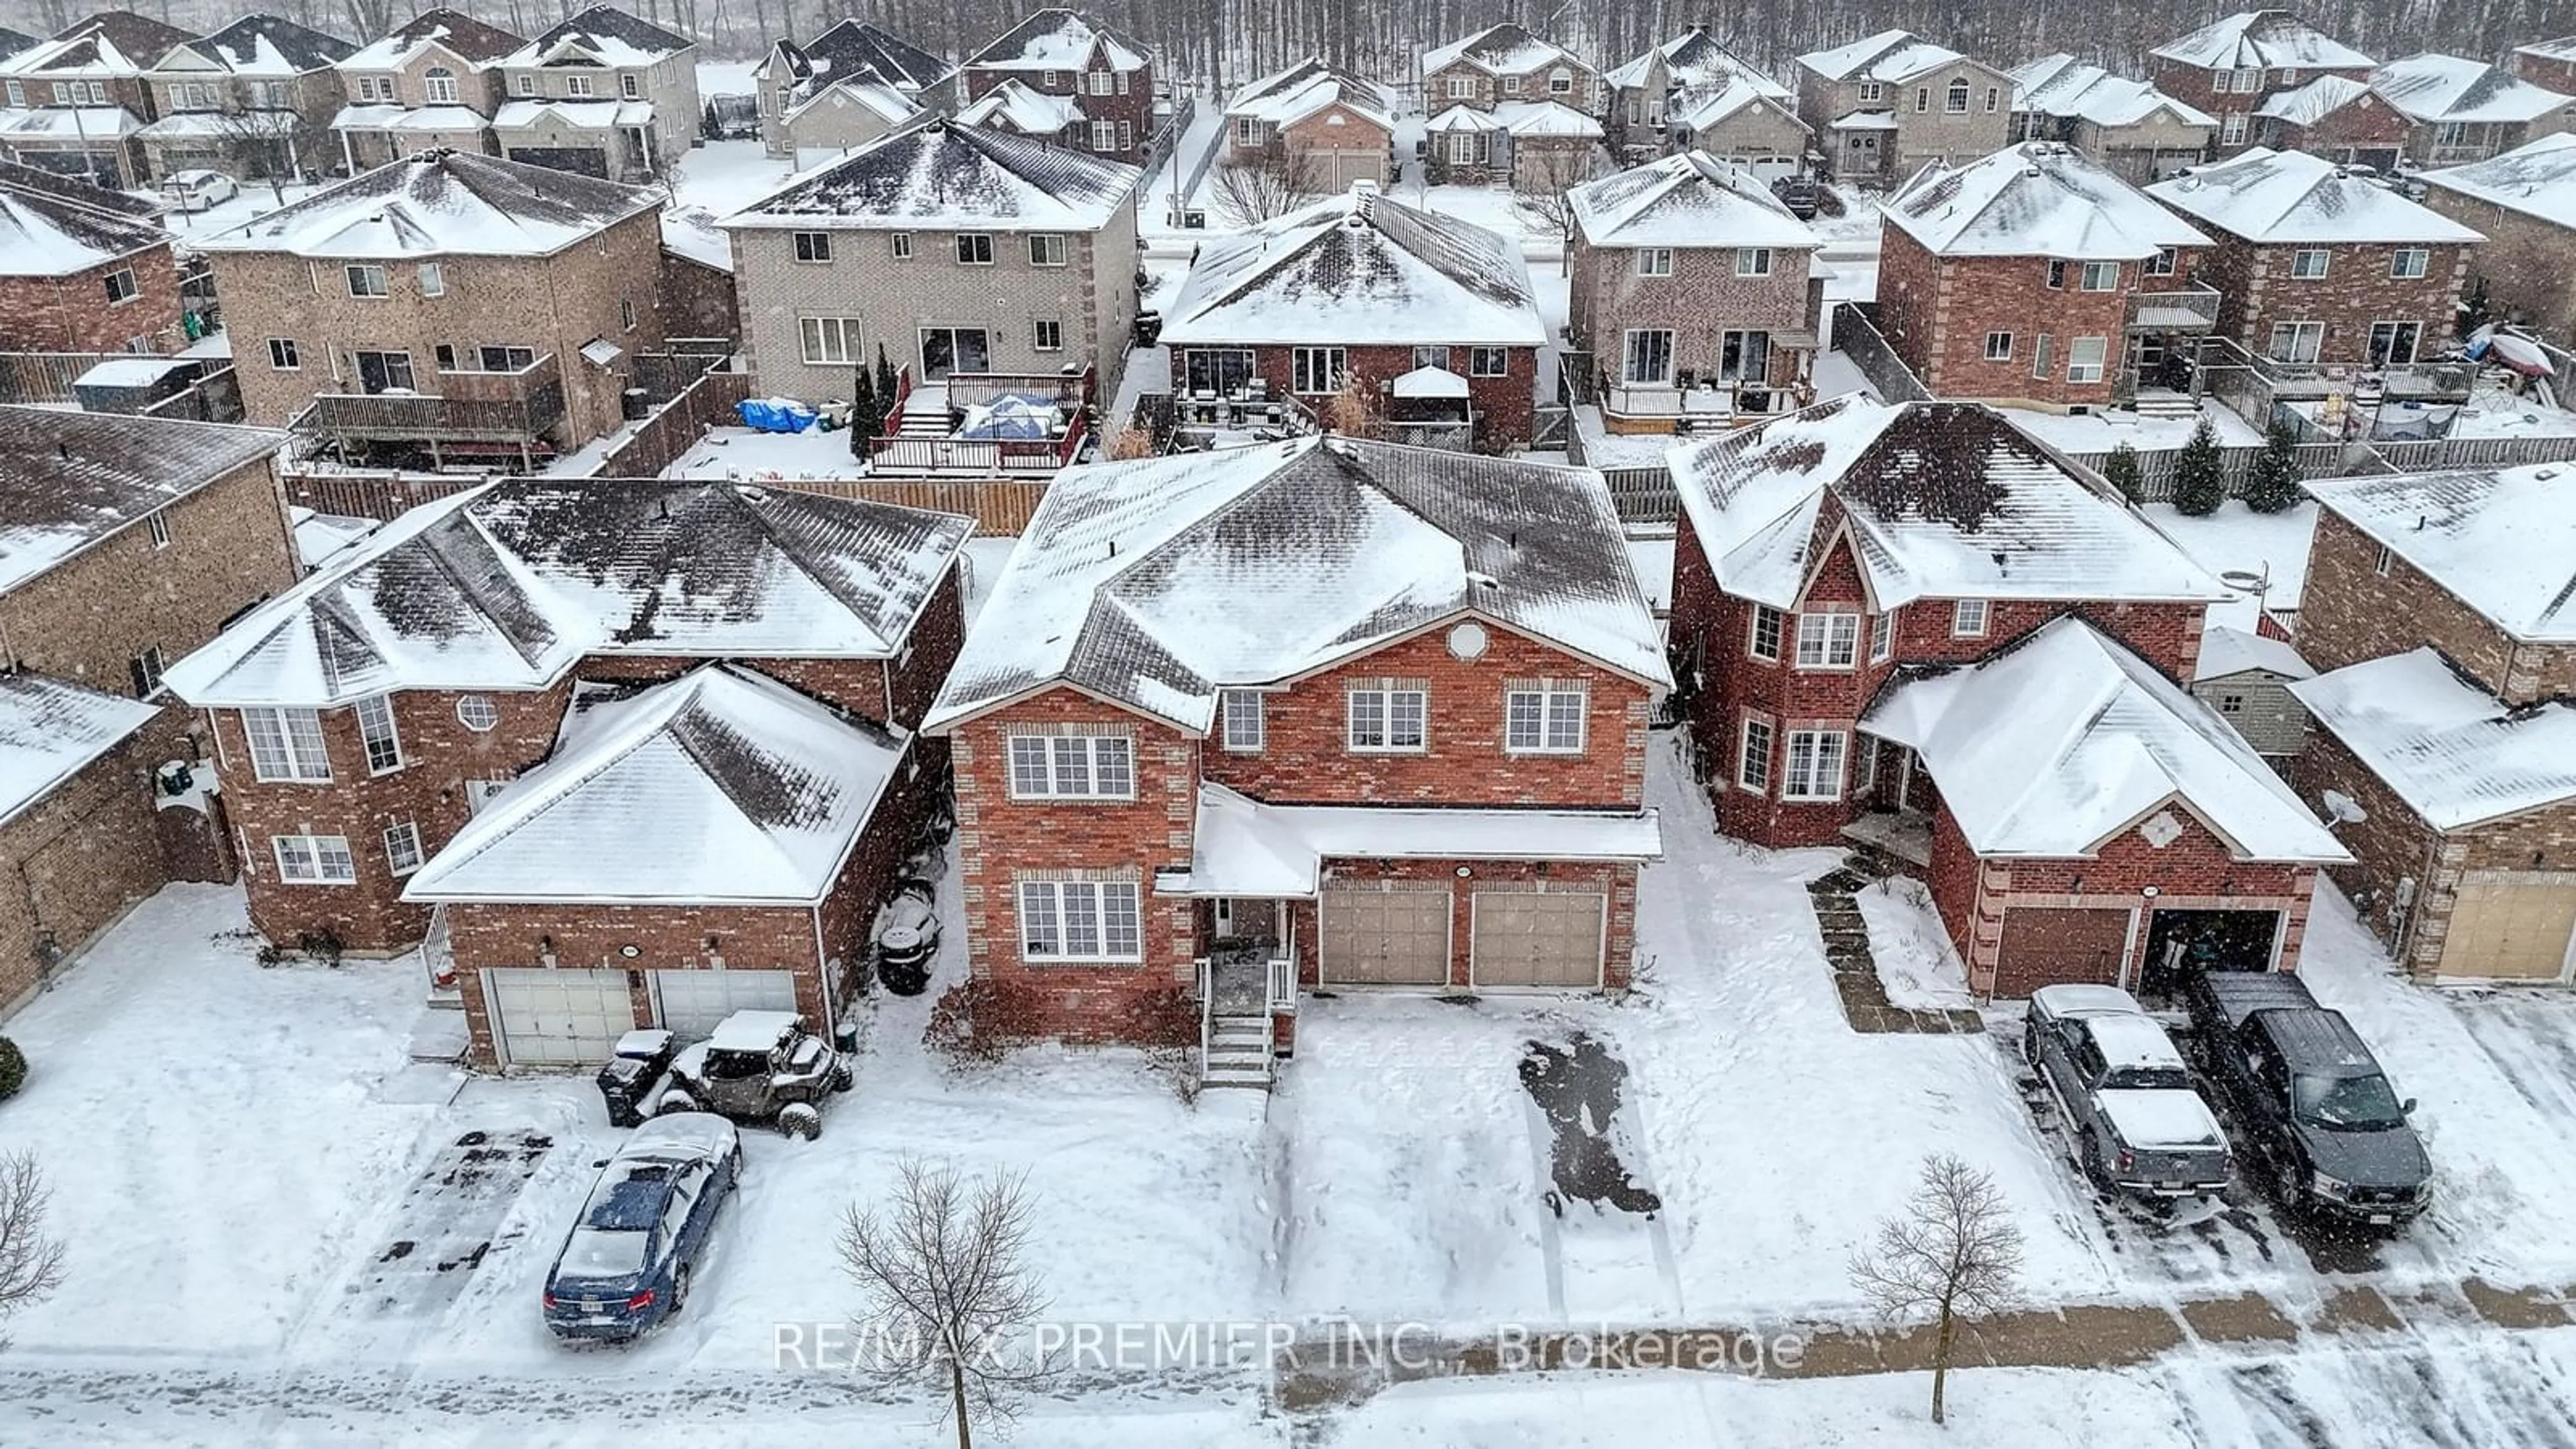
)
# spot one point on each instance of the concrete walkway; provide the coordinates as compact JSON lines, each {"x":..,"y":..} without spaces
{"x":1856,"y":983}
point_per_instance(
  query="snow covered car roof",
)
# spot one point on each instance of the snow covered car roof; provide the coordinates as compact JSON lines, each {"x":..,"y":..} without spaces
{"x":677,"y":1136}
{"x":2037,"y":199}
{"x":1689,"y":199}
{"x":751,"y":1031}
{"x":1696,"y":57}
{"x":1056,"y":39}
{"x":2537,"y":178}
{"x":2130,"y":1039}
{"x":1505,"y":49}
{"x":2063,"y":739}
{"x":2225,"y":651}
{"x":1158,"y":583}
{"x":951,"y":174}
{"x":1286,"y":97}
{"x":2264,"y":195}
{"x":443,"y":202}
{"x":457,"y":33}
{"x":1243,"y":847}
{"x":1888,"y":56}
{"x":2436,"y":88}
{"x":721,"y":786}
{"x":2160,"y":1118}
{"x":508,"y":585}
{"x":2502,"y":540}
{"x":2453,"y":752}
{"x":2071,"y":999}
{"x":51,"y":730}
{"x":2265,"y":39}
{"x":1944,"y":500}
{"x":1354,"y":270}
{"x":75,"y":478}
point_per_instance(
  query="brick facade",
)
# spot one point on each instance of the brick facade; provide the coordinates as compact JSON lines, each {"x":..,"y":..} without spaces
{"x":1926,"y":129}
{"x":75,"y":313}
{"x":1702,"y":299}
{"x":1504,"y":406}
{"x":1937,"y":313}
{"x":2197,"y":86}
{"x":1133,"y":105}
{"x":2351,"y":612}
{"x":2552,"y":70}
{"x":1484,"y":90}
{"x":2258,"y":290}
{"x":2522,"y":262}
{"x":2365,"y":131}
{"x":478,"y":89}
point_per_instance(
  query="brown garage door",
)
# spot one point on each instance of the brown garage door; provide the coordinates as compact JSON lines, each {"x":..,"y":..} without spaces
{"x":2511,"y":929}
{"x":2045,"y":946}
{"x":1375,"y":937}
{"x":1527,"y":939}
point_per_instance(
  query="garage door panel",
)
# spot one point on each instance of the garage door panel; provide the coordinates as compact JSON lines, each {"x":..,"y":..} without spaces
{"x":1385,"y":938}
{"x":1528,"y":938}
{"x":2042,"y":946}
{"x":557,"y":1018}
{"x":2510,"y":930}
{"x":692,"y":1002}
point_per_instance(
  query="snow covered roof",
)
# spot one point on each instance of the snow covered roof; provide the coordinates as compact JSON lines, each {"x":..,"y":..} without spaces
{"x":1505,"y":49}
{"x":507,"y":586}
{"x":2268,"y":39}
{"x":459,"y":34}
{"x":720,"y":786}
{"x":1689,"y":199}
{"x":2563,"y":48}
{"x":2264,"y":195}
{"x":45,"y":233}
{"x":13,"y":42}
{"x":855,"y":45}
{"x":2503,"y":540}
{"x":51,"y":730}
{"x":2453,"y":752}
{"x":1286,"y":97}
{"x":319,"y":537}
{"x":2052,"y":745}
{"x":425,"y":119}
{"x":1462,"y":118}
{"x":1241,"y":846}
{"x":2060,"y":85}
{"x":2035,"y":199}
{"x":2537,"y":178}
{"x":2225,"y":651}
{"x":180,"y":125}
{"x":70,"y":123}
{"x":694,"y":235}
{"x":601,"y":35}
{"x":112,"y":43}
{"x":865,"y":89}
{"x":1056,"y":40}
{"x":1024,"y":109}
{"x":601,"y":115}
{"x":1155,"y":584}
{"x":74,"y":478}
{"x":443,"y":202}
{"x":1944,"y":500}
{"x":1429,"y":382}
{"x":1696,"y":57}
{"x":1545,"y":118}
{"x":1864,"y":121}
{"x":1357,"y":269}
{"x":269,"y":46}
{"x":949,"y":174}
{"x":1889,"y":56}
{"x":2314,"y":101}
{"x":2432,"y":88}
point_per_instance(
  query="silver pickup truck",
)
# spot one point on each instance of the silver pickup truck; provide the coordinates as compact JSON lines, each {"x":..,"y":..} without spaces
{"x":2127,"y":1100}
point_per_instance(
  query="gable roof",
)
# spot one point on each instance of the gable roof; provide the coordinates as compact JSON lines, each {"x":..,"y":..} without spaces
{"x":75,"y":478}
{"x":1360,"y":268}
{"x":14,"y":41}
{"x":1506,"y":49}
{"x":109,"y":43}
{"x":2269,"y":39}
{"x":2225,"y":651}
{"x":720,"y":786}
{"x":2536,"y":178}
{"x":2035,"y":199}
{"x":951,"y":173}
{"x":2501,"y":540}
{"x":1696,"y":57}
{"x":506,"y":586}
{"x":2061,"y":86}
{"x":1056,"y":39}
{"x":267,"y":45}
{"x":2314,"y":101}
{"x":854,"y":45}
{"x":2454,"y":753}
{"x":612,"y":36}
{"x":2063,"y":739}
{"x":52,"y":729}
{"x":1700,"y":104}
{"x":1944,"y":500}
{"x":1020,"y":110}
{"x":1689,"y":199}
{"x":454,"y":31}
{"x":45,"y":233}
{"x":2264,"y":195}
{"x":860,"y":87}
{"x":1158,"y":583}
{"x":443,"y":202}
{"x":1889,"y":56}
{"x":1286,"y":97}
{"x":2431,"y":88}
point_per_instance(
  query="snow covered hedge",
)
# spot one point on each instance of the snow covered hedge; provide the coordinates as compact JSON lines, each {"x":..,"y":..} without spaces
{"x":13,"y":1069}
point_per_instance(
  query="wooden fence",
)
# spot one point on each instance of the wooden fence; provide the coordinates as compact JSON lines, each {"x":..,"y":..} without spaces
{"x":46,"y":377}
{"x":676,"y":426}
{"x":998,"y":505}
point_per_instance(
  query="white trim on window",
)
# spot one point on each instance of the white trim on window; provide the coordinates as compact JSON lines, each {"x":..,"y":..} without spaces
{"x":1968,"y":619}
{"x":1764,"y":632}
{"x":1387,"y":721}
{"x":1081,"y":920}
{"x":1546,"y":718}
{"x":476,"y":713}
{"x":1754,"y":742}
{"x":1246,"y":727}
{"x":1814,"y":767}
{"x":1828,"y":641}
{"x":403,"y":853}
{"x":1882,"y":637}
{"x":286,"y":744}
{"x":376,"y":732}
{"x":314,"y":859}
{"x":1071,"y":767}
{"x":1654,"y":261}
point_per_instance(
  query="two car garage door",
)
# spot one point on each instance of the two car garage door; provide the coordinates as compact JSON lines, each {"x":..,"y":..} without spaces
{"x":574,"y":1017}
{"x":1397,"y":933}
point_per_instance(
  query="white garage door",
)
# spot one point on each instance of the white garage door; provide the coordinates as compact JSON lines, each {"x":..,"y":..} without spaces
{"x":1524,"y":938}
{"x":1768,"y":168}
{"x":557,"y":1018}
{"x":2511,"y":927}
{"x":1375,"y":937}
{"x":692,"y":1002}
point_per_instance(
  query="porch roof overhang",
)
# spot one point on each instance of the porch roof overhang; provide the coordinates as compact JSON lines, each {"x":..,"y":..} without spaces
{"x":1243,"y":847}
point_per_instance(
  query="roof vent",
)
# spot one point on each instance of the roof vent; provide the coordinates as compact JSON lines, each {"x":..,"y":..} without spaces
{"x":2419,"y":522}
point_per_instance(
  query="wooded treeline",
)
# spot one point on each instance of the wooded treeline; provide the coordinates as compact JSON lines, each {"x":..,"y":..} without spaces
{"x":1228,"y":41}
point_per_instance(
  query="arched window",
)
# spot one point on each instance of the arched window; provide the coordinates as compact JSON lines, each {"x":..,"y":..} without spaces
{"x":439,"y":84}
{"x":1957,"y":101}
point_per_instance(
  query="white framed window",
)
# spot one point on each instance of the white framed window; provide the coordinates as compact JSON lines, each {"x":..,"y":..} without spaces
{"x":286,"y":744}
{"x":156,"y":524}
{"x":2408,"y":263}
{"x":1647,"y":356}
{"x":630,"y":86}
{"x":1046,"y":249}
{"x":1871,"y":93}
{"x":1430,"y":354}
{"x":282,"y":354}
{"x":974,"y":249}
{"x":1994,"y":99}
{"x":2394,"y":342}
{"x":1753,"y":756}
{"x":1489,"y":361}
{"x":1099,"y":80}
{"x":146,"y":668}
{"x":2222,"y":82}
{"x":2056,"y":272}
{"x":1318,"y":369}
{"x":812,"y":246}
{"x":314,"y":859}
{"x":2379,"y":565}
{"x":1954,"y":100}
{"x":1768,"y":625}
{"x":1072,"y":767}
{"x":1753,"y":261}
{"x":121,"y":287}
{"x":1387,"y":721}
{"x":1998,"y":347}
{"x":1462,"y":88}
{"x":2231,"y":132}
{"x":2041,"y":355}
{"x":1547,"y":719}
{"x":476,"y":713}
{"x":523,"y":84}
{"x":2249,"y":79}
{"x":403,"y":854}
{"x":1560,"y":82}
{"x":1882,"y":637}
{"x":2101,"y":276}
{"x":829,"y":340}
{"x":376,"y":732}
{"x":1080,"y":920}
{"x":2297,"y":341}
{"x":577,"y":85}
{"x":365,"y":279}
{"x":1046,"y":334}
{"x":432,"y":278}
{"x":1123,"y":82}
{"x":1104,"y":136}
{"x":1814,"y":769}
{"x":2085,"y":357}
{"x":1654,"y":261}
{"x":1828,"y":641}
{"x":1922,"y":99}
{"x":900,"y":244}
{"x":2308,"y":264}
{"x":1968,"y":619}
{"x":1246,"y":728}
{"x":2163,"y":263}
{"x":438,"y":86}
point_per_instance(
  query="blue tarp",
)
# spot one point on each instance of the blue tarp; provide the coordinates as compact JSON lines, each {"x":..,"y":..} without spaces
{"x":774,"y":415}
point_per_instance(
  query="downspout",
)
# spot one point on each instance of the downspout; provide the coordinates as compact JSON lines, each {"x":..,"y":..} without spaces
{"x":823,"y":969}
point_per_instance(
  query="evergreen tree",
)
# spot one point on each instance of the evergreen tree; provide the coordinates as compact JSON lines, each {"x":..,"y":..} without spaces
{"x":867,"y":413}
{"x":2200,"y":479}
{"x":2121,"y":468}
{"x":885,"y":385}
{"x":2273,"y":484}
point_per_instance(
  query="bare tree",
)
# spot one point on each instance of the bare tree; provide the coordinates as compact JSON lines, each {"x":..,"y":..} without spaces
{"x":1952,"y":1250}
{"x":1542,"y":184}
{"x":1271,"y":182}
{"x":31,"y":1264}
{"x":946,"y":1272}
{"x":1354,"y":410}
{"x":273,"y":144}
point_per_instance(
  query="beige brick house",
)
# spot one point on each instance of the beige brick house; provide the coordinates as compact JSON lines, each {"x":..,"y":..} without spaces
{"x":1342,"y":127}
{"x":2136,"y":131}
{"x":604,"y":94}
{"x":1696,"y":296}
{"x":2460,"y":110}
{"x":123,"y":542}
{"x":77,"y":103}
{"x":254,"y":100}
{"x":1692,"y":92}
{"x":434,"y":82}
{"x":1887,"y":104}
{"x":2524,"y":203}
{"x":2445,"y":747}
{"x":444,"y":306}
{"x":82,"y":268}
{"x":2234,"y":65}
{"x":852,"y":53}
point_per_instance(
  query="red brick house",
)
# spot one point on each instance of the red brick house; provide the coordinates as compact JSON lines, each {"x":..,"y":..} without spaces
{"x":1326,"y":712}
{"x":2550,"y":64}
{"x":1917,"y":628}
{"x":82,"y":268}
{"x":1433,"y":315}
{"x":2234,"y":64}
{"x":2336,"y":117}
{"x":375,"y":722}
{"x":2437,"y":608}
{"x":2316,"y":266}
{"x":2036,"y":276}
{"x":77,"y":104}
{"x":1108,"y":81}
